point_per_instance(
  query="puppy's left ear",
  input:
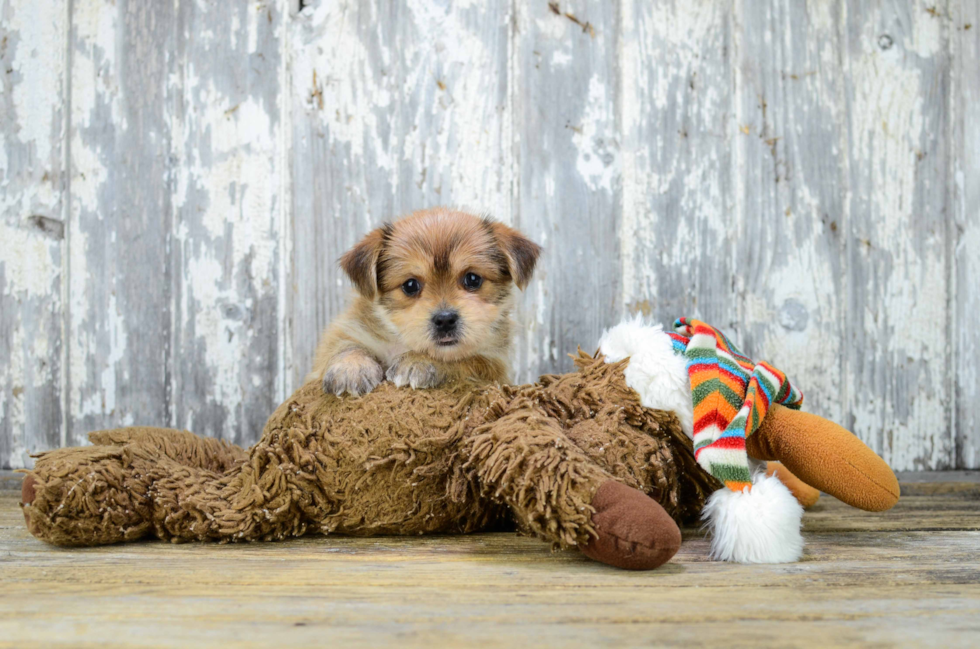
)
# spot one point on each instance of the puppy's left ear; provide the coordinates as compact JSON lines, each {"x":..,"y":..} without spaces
{"x":521,"y":252}
{"x":361,"y":262}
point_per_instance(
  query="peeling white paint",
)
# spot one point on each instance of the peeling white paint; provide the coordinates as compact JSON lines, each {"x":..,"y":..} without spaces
{"x":965,"y":55}
{"x":95,"y":63}
{"x":560,"y":59}
{"x":350,"y":108}
{"x":221,"y":337}
{"x":31,"y":194}
{"x":16,"y":417}
{"x":228,"y":225}
{"x":240,"y":184}
{"x":81,"y":338}
{"x":116,"y":325}
{"x":927,"y":30}
{"x":677,"y":43}
{"x":899,"y":252}
{"x":28,"y":263}
{"x":34,"y":64}
{"x":30,"y":349}
{"x":87,"y":166}
{"x":437,"y":109}
{"x":596,"y":140}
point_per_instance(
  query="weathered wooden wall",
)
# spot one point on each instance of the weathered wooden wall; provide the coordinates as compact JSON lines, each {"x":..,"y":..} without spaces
{"x":177,"y":179}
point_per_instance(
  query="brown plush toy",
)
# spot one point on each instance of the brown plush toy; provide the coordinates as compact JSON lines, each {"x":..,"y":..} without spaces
{"x":575,"y":459}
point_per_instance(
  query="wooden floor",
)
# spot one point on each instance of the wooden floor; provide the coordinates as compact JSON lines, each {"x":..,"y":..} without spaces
{"x":908,"y":577}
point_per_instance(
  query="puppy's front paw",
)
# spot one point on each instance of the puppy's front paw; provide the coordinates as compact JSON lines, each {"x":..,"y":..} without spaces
{"x":355,"y":373}
{"x":418,"y":372}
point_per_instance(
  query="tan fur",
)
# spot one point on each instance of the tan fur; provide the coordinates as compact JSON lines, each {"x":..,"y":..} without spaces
{"x":391,"y":332}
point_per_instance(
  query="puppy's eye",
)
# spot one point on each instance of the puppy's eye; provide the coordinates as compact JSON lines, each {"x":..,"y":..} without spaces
{"x":472,"y":281}
{"x":411,"y":287}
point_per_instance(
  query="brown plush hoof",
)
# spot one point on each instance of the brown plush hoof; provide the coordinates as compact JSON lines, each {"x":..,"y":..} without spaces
{"x":634,"y":531}
{"x":27,"y":496}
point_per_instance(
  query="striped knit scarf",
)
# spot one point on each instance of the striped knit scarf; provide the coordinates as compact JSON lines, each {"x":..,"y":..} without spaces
{"x":731,"y":395}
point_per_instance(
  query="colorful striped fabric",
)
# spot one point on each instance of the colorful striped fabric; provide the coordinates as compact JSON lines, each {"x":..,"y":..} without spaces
{"x":731,"y":395}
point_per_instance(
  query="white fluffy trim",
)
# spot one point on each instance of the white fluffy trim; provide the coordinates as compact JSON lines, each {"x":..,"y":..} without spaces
{"x":657,"y":374}
{"x":757,"y":526}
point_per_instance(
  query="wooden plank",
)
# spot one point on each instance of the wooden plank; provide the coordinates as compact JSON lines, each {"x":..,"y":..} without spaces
{"x":120,"y":271}
{"x":813,"y":616}
{"x":228,"y":203}
{"x":919,"y":477}
{"x":943,"y":506}
{"x":394,"y":107}
{"x":677,"y":228}
{"x":788,"y":252}
{"x":898,"y":384}
{"x":565,"y":97}
{"x":33,"y":42}
{"x":964,"y":31}
{"x":859,"y":583}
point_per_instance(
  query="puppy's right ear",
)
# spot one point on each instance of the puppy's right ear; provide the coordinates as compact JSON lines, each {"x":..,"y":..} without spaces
{"x":361,"y":262}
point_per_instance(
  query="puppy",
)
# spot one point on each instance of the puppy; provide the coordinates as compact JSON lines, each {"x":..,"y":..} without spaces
{"x":432,"y":304}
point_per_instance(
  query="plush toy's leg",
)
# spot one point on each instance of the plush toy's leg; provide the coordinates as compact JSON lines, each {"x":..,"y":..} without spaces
{"x":84,"y":496}
{"x":525,"y":460}
{"x":150,"y":481}
{"x":179,"y":445}
{"x":825,"y":456}
{"x":806,"y":495}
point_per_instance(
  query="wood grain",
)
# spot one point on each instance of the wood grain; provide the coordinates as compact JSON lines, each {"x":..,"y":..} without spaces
{"x":33,"y":183}
{"x":895,"y":57}
{"x":227,"y":238}
{"x":788,"y":253}
{"x":964,"y":30}
{"x":902,"y":578}
{"x":566,"y":121}
{"x":120,"y":273}
{"x":678,"y":173}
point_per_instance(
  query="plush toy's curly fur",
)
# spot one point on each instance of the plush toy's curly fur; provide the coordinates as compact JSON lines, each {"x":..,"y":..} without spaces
{"x":396,"y":461}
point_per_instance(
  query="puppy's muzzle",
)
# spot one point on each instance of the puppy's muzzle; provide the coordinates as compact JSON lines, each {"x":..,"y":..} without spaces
{"x":445,"y":326}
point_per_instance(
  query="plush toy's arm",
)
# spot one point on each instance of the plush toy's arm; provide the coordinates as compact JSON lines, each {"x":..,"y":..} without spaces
{"x":555,"y":491}
{"x":525,"y":460}
{"x":826,"y":456}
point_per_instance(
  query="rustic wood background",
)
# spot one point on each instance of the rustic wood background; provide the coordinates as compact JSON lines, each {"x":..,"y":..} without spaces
{"x":178,"y":178}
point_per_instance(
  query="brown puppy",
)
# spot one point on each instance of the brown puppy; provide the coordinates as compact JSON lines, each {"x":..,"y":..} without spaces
{"x":433,"y":304}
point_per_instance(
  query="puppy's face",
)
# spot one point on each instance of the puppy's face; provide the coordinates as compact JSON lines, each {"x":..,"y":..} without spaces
{"x":443,"y":279}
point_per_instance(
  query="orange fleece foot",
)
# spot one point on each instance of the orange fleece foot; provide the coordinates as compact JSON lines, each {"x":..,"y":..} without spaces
{"x":825,"y":456}
{"x":806,"y":495}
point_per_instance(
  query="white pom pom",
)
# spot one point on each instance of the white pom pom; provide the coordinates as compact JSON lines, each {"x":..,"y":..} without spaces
{"x":657,"y":374}
{"x":757,"y":526}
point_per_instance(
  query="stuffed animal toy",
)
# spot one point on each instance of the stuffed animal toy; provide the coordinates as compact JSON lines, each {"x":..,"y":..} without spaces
{"x":600,"y":459}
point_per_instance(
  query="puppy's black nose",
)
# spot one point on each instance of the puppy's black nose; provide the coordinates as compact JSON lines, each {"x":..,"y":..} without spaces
{"x":445,"y":321}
